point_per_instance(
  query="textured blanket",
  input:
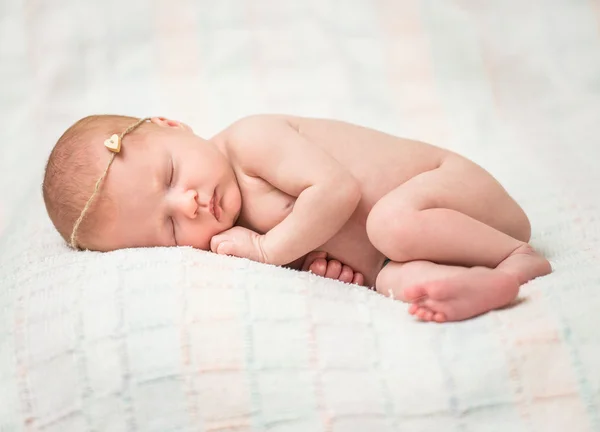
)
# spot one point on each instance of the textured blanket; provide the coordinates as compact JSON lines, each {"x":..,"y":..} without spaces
{"x":183,"y":340}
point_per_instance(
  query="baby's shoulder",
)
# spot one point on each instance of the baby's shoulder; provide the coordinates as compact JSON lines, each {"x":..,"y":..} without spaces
{"x":245,"y":134}
{"x":258,"y":124}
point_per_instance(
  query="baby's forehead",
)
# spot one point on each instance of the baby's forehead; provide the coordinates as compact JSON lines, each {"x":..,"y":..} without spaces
{"x":149,"y":146}
{"x":140,"y":162}
{"x":141,"y":151}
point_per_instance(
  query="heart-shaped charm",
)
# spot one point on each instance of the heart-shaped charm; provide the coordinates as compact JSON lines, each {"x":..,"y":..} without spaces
{"x":113,"y":143}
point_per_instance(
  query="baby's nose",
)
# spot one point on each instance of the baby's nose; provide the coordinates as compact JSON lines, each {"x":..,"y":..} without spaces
{"x":187,"y":203}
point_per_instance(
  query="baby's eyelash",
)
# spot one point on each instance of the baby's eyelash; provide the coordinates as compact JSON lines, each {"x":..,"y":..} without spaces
{"x":173,"y":226}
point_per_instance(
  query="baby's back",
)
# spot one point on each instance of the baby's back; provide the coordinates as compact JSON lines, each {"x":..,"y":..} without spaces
{"x":379,"y":161}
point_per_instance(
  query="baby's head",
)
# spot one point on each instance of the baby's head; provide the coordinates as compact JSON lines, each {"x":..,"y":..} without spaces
{"x":165,"y":187}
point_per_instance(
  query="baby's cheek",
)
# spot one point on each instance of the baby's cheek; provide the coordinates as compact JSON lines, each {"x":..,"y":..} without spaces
{"x":194,"y":237}
{"x":203,"y":242}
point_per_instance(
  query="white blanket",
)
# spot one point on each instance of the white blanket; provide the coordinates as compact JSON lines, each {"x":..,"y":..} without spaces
{"x":183,"y":340}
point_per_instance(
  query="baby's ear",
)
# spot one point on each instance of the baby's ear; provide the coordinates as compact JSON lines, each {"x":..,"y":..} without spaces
{"x":165,"y":122}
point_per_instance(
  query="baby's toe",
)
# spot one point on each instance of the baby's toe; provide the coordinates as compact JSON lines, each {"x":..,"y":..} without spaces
{"x":439,"y":317}
{"x":318,"y":267}
{"x":422,"y":313}
{"x":413,"y":309}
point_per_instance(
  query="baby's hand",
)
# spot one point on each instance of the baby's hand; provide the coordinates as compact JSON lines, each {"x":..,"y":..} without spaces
{"x":240,"y":242}
{"x":317,"y":263}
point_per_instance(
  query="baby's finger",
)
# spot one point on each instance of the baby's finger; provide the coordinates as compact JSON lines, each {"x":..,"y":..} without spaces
{"x":215,"y":241}
{"x":334,"y":268}
{"x":214,"y":244}
{"x":359,"y":279}
{"x":225,"y":248}
{"x":346,"y":275}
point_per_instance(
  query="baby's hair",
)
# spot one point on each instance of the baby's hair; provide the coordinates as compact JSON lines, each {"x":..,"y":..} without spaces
{"x":74,"y":173}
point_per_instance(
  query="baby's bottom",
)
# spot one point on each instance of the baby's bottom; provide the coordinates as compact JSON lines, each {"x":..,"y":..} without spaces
{"x":457,"y":242}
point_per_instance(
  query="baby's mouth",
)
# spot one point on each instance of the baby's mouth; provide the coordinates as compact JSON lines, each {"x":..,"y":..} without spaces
{"x":211,"y":205}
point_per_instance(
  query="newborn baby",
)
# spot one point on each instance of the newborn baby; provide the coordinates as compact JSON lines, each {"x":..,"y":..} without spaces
{"x":421,"y":223}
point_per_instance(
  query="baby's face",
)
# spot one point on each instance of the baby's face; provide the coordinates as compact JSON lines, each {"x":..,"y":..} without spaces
{"x":173,"y":188}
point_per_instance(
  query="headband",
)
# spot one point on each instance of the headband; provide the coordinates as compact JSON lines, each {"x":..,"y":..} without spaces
{"x":114,"y":145}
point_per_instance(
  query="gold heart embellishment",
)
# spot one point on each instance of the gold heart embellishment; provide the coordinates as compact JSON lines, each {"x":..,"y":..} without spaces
{"x":113,"y":143}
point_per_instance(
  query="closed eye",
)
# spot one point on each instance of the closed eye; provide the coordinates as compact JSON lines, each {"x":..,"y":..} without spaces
{"x":173,"y":227}
{"x":171,"y":217}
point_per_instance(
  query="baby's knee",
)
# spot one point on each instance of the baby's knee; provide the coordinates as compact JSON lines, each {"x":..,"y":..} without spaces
{"x":388,"y":229}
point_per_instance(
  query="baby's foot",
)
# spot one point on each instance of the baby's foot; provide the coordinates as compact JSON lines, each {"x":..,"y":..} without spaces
{"x":475,"y":291}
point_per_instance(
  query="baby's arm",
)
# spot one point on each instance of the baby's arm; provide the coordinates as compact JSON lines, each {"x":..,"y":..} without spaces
{"x":327,"y":193}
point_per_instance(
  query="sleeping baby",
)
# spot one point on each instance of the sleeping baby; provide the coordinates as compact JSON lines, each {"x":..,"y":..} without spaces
{"x":422,"y":224}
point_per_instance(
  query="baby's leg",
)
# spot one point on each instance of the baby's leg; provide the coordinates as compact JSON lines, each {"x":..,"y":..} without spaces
{"x":457,"y":214}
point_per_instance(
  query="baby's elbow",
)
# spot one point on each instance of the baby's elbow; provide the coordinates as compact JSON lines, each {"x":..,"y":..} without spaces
{"x":352,"y":191}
